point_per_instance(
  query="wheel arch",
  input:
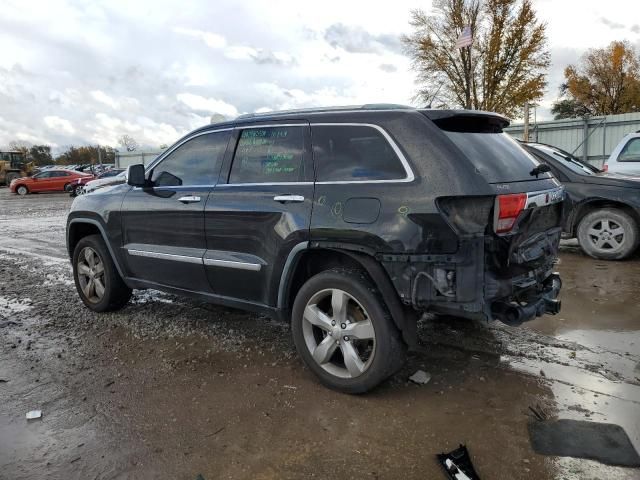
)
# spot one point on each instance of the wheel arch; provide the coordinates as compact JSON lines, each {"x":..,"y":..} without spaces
{"x":311,"y":261}
{"x":79,"y":228}
{"x":595,"y":204}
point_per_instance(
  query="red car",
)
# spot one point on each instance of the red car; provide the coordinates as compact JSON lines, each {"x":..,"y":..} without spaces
{"x":48,"y":181}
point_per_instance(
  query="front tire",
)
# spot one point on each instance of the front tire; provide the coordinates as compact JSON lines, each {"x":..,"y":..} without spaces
{"x":97,"y":280}
{"x":22,"y":190}
{"x":608,"y":234}
{"x":344,"y":332}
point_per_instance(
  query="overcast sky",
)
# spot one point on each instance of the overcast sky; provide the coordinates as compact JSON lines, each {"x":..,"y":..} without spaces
{"x":80,"y":72}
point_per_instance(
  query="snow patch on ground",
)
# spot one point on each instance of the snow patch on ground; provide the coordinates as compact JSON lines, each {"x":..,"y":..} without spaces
{"x":10,"y":306}
{"x":145,"y":296}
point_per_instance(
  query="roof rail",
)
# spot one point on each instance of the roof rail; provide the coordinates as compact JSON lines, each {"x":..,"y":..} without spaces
{"x":368,"y":106}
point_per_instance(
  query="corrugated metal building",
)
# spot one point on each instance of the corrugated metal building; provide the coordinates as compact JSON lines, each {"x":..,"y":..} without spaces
{"x":591,"y":139}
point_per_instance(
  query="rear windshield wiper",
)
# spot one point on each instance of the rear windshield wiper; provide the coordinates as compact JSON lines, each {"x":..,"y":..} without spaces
{"x":542,"y":168}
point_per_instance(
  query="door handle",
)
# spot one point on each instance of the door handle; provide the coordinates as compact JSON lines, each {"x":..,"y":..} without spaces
{"x":189,"y":199}
{"x":289,"y":198}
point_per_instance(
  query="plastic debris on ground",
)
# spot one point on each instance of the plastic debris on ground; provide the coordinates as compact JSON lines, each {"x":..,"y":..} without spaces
{"x":457,"y":464}
{"x":420,"y":377}
{"x":34,"y":414}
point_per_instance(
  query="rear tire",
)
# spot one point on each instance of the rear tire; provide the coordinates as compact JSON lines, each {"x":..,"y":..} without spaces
{"x":608,"y":234}
{"x":97,"y":280}
{"x":344,"y":332}
{"x":22,"y":190}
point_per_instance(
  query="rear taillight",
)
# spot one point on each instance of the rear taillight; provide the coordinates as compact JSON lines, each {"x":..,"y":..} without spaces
{"x":508,"y":208}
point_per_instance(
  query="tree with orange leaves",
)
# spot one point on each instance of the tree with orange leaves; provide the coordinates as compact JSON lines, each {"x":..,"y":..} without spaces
{"x":606,"y":82}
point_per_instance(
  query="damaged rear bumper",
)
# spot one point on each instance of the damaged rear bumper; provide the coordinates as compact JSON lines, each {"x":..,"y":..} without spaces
{"x":463,"y":285}
{"x":545,"y":302}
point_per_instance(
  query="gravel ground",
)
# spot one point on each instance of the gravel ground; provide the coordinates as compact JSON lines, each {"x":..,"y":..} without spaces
{"x":172,"y":388}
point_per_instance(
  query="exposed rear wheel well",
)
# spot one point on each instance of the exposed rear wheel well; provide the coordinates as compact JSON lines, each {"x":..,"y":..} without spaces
{"x":78,"y":231}
{"x":589,"y":207}
{"x":312,"y":262}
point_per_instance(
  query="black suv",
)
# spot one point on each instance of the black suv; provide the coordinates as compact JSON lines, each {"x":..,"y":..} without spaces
{"x":348,"y":222}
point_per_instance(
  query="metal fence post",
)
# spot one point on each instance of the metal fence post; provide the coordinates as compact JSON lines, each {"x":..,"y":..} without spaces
{"x":604,"y":140}
{"x":585,"y":140}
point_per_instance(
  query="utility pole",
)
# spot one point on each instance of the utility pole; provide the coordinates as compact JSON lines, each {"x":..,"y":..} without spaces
{"x":525,"y":134}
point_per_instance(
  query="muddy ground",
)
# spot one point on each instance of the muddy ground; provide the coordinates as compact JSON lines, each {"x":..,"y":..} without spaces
{"x":174,"y":388}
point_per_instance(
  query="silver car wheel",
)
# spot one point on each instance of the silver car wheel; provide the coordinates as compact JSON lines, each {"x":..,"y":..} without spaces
{"x":22,"y":190}
{"x":339,"y":333}
{"x":90,"y":271}
{"x":606,"y":235}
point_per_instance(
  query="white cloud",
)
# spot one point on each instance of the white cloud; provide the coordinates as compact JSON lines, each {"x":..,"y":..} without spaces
{"x":57,"y":123}
{"x":211,"y":39}
{"x":211,"y":105}
{"x":102,"y":97}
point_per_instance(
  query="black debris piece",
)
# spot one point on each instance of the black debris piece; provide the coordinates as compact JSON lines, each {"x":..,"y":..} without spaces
{"x":457,"y":464}
{"x":604,"y":442}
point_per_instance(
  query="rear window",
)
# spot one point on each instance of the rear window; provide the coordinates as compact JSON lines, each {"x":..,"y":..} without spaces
{"x":496,"y":156}
{"x":631,"y":151}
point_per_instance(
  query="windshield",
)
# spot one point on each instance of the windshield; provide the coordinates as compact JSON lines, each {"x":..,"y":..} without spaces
{"x":496,"y":156}
{"x":568,"y":160}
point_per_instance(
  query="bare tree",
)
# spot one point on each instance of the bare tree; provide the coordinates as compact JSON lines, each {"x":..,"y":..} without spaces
{"x":128,"y":142}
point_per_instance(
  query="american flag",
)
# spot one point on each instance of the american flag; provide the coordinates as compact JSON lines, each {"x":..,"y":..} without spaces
{"x":465,"y":39}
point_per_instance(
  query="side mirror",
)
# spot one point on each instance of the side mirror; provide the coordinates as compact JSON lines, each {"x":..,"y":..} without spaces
{"x":136,"y":175}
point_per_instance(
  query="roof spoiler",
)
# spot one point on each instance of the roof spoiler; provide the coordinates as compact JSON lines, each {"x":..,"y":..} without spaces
{"x":467,"y":120}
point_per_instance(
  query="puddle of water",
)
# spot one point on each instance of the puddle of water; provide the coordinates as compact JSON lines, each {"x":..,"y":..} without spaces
{"x":583,"y":395}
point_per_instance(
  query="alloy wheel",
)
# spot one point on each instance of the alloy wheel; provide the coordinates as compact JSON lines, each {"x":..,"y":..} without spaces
{"x":90,"y":271}
{"x":339,"y":333}
{"x":606,"y":234}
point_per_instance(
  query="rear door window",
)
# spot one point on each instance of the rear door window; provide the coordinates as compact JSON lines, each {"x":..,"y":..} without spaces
{"x":269,"y":155}
{"x":354,"y":153}
{"x":631,"y":151}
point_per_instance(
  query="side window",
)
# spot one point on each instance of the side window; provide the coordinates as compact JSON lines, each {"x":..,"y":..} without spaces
{"x":353,"y":153}
{"x":631,"y":151}
{"x":43,"y":175}
{"x":57,"y":174}
{"x":195,"y":162}
{"x":269,"y":154}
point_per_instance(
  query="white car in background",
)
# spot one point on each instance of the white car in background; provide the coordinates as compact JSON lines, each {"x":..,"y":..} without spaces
{"x":103,"y":182}
{"x":625,"y":158}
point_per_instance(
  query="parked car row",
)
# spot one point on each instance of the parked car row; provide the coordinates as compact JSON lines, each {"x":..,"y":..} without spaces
{"x":89,"y":184}
{"x":63,"y":180}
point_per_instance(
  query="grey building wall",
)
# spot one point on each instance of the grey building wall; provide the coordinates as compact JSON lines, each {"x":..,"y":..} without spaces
{"x":592,"y":139}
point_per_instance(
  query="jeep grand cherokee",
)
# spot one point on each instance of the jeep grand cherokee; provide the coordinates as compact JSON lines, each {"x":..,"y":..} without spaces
{"x":348,"y":222}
